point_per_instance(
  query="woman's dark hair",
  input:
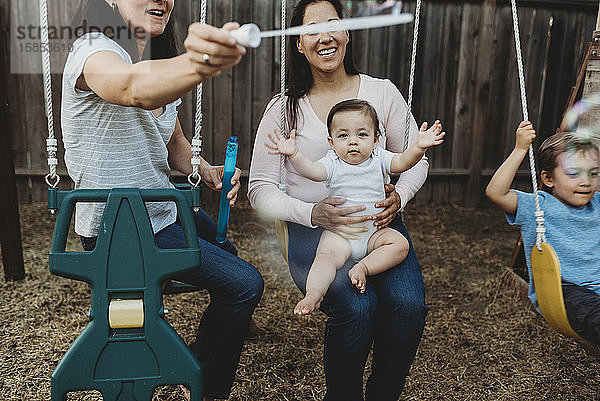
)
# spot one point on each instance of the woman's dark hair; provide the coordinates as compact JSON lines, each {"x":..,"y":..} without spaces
{"x":558,"y":143}
{"x":298,"y":76}
{"x":99,"y":16}
{"x":354,"y":105}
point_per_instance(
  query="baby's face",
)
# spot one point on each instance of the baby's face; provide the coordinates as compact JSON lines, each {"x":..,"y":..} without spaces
{"x":575,"y":178}
{"x":352,"y":136}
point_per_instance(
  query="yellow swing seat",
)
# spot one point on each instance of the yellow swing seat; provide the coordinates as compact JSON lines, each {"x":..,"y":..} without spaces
{"x":283,"y":238}
{"x":545,"y":268}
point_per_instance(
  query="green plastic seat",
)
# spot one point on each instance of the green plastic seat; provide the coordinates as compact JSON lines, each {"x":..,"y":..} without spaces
{"x":125,"y":363}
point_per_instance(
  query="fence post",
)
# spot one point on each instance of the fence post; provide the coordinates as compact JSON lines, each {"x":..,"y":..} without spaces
{"x":482,"y":103}
{"x":10,"y":233}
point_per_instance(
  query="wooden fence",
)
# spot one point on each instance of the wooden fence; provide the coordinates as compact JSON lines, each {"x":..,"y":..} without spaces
{"x":466,"y":76}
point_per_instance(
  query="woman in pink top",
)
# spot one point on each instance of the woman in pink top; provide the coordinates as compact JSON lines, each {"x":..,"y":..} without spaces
{"x":390,"y":315}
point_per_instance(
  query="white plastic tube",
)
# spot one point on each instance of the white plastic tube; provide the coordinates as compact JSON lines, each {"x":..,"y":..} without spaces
{"x":249,"y":35}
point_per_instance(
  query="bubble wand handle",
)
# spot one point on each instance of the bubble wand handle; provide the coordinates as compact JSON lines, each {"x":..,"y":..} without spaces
{"x":228,"y":171}
{"x":249,"y":35}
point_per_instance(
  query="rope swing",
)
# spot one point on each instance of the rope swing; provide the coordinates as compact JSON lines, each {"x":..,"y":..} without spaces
{"x":282,"y":98}
{"x":51,"y":142}
{"x":194,"y":178}
{"x":411,"y":80}
{"x":539,"y":214}
{"x":545,"y":265}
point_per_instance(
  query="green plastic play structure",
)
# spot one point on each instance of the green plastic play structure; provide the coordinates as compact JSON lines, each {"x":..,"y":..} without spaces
{"x":126,"y":360}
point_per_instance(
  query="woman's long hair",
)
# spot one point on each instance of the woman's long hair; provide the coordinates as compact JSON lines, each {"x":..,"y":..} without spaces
{"x":99,"y":16}
{"x":298,"y":76}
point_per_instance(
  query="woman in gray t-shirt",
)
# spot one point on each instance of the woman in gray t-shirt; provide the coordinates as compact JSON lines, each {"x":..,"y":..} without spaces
{"x":122,"y":84}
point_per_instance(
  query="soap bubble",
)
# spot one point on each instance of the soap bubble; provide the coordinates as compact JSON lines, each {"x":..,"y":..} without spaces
{"x":583,"y":119}
{"x":373,"y":7}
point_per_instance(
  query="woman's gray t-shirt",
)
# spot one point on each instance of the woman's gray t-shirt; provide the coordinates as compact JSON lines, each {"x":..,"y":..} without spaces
{"x":112,"y":146}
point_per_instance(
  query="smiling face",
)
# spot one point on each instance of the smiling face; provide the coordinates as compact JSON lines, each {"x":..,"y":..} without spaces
{"x":575,"y":178}
{"x":149,"y":17}
{"x":324,"y":51}
{"x":352,"y":136}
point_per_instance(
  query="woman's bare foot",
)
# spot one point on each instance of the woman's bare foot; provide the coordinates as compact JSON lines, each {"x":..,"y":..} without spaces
{"x":358,"y":276}
{"x":307,"y":305}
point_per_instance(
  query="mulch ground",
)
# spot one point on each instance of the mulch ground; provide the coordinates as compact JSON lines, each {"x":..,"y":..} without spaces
{"x":481,"y":342}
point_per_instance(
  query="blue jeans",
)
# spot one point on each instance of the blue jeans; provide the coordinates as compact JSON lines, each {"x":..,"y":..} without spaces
{"x":390,"y":316}
{"x":235,"y":287}
{"x":583,"y":311}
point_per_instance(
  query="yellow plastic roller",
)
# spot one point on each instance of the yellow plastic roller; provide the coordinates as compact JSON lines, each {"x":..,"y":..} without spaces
{"x":126,"y":313}
{"x":545,"y":268}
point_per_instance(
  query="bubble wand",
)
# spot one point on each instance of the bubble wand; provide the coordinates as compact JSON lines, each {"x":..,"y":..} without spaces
{"x":228,"y":171}
{"x":250,"y":35}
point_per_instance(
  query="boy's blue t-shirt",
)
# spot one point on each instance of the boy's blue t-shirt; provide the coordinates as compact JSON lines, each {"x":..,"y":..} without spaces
{"x":573,"y":232}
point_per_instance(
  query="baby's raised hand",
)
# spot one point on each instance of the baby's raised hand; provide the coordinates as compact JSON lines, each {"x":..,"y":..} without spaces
{"x":430,"y":137}
{"x":525,"y":135}
{"x":279,"y":145}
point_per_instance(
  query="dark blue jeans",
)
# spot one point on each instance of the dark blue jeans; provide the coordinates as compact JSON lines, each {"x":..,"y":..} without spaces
{"x":583,"y":311}
{"x":235,"y":287}
{"x":390,"y":316}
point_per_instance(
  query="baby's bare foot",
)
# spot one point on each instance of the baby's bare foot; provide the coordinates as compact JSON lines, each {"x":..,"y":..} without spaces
{"x":358,"y":276}
{"x":307,"y":305}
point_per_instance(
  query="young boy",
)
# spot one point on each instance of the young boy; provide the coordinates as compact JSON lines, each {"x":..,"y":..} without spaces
{"x":569,"y":168}
{"x":355,"y":168}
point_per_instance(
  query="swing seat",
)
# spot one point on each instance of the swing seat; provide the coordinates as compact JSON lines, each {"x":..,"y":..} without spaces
{"x":283,"y":237}
{"x":545,"y":268}
{"x":128,"y":348}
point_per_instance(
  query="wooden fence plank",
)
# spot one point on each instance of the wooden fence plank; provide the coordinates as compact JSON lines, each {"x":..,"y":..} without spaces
{"x":262,"y":63}
{"x":482,"y":97}
{"x":241,"y":112}
{"x":465,"y":92}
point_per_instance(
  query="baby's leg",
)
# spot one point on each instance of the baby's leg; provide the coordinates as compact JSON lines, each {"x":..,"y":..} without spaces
{"x":332,"y":253}
{"x":386,"y":248}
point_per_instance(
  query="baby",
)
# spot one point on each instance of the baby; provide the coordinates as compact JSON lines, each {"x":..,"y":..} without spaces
{"x":356,"y":169}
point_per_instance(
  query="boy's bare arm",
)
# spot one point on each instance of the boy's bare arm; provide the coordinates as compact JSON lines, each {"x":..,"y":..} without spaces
{"x":498,"y":190}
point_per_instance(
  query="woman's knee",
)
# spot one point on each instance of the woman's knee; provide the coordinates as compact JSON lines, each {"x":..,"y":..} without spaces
{"x":407,"y":303}
{"x":414,"y":310}
{"x":346,"y":305}
{"x":253,"y":286}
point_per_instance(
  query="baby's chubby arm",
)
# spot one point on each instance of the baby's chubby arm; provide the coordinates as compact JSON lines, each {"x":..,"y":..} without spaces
{"x":498,"y":190}
{"x":411,"y":156}
{"x":287,"y":146}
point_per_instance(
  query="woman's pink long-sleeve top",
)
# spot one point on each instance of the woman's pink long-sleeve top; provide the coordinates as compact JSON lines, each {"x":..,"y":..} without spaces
{"x":302,"y":194}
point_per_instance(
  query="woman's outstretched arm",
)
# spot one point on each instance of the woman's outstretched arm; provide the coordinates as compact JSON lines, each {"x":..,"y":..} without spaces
{"x":154,"y":83}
